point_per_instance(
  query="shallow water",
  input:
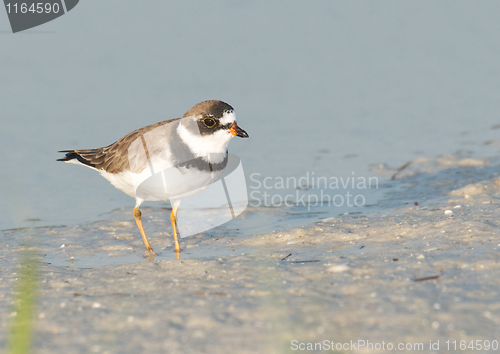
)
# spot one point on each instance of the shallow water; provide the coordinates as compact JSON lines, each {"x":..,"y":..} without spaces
{"x":114,"y":238}
{"x":330,"y":88}
{"x":338,"y":89}
{"x":403,"y":273}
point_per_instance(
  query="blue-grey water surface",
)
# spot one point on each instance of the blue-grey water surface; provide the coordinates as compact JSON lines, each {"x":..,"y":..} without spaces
{"x":328,"y":87}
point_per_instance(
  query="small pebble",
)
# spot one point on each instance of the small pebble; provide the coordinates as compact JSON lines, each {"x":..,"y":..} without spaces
{"x":339,"y":268}
{"x":448,"y":212}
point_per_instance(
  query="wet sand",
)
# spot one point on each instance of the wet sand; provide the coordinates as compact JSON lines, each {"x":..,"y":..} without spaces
{"x":410,"y":273}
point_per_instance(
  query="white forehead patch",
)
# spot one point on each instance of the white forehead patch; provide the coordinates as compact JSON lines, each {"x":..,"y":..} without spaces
{"x":228,"y":117}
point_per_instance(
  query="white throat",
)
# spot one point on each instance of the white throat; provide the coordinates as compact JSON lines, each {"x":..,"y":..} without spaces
{"x":211,"y":147}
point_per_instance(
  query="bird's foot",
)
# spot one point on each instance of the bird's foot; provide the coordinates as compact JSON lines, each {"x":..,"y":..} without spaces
{"x":149,"y":254}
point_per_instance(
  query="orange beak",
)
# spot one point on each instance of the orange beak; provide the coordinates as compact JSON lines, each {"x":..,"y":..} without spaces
{"x":237,"y":131}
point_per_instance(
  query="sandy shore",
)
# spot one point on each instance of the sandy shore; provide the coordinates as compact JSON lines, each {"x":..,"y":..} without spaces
{"x":408,"y":274}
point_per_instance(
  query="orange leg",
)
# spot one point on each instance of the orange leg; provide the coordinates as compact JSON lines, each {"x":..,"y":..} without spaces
{"x":173,"y":220}
{"x":137,"y":217}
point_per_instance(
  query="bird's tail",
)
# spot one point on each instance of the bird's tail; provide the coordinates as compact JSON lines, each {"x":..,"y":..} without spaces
{"x":82,"y":156}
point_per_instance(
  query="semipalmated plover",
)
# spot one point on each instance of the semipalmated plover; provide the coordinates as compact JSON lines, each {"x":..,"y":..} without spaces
{"x":169,"y":160}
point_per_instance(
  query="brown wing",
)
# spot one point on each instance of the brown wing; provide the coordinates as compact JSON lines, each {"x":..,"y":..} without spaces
{"x":115,"y":157}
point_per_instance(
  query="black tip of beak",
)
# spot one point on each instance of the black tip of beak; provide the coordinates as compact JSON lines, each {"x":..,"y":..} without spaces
{"x":241,"y":133}
{"x":237,"y":131}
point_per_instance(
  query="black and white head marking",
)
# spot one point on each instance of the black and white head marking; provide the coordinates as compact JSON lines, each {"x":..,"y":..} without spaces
{"x":205,"y":129}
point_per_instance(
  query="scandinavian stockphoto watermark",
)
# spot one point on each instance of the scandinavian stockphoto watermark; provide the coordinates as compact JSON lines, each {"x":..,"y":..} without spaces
{"x":25,"y":14}
{"x":310,"y":190}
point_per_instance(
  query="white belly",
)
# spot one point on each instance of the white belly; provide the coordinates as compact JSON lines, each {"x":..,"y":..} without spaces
{"x":167,"y":184}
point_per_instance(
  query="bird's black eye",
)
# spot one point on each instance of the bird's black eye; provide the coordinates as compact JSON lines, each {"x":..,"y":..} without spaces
{"x":209,"y":122}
